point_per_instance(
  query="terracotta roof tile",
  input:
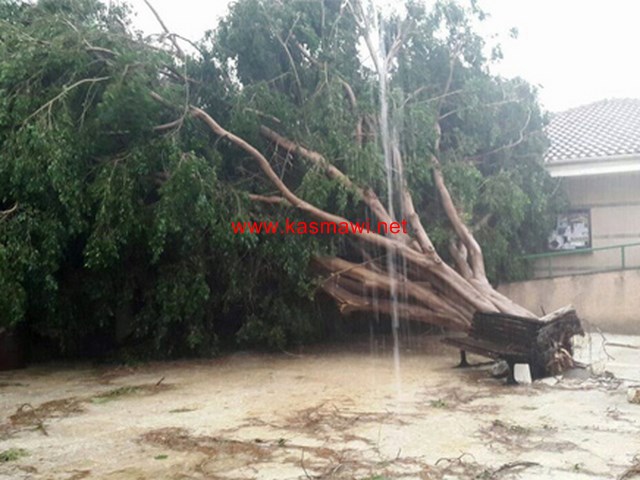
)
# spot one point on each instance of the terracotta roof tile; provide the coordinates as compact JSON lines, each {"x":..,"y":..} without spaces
{"x":601,"y":129}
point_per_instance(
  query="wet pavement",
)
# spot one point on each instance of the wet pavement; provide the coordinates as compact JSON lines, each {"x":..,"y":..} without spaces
{"x":337,"y":411}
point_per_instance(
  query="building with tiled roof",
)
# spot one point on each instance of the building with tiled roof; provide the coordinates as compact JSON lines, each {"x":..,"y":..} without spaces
{"x":599,"y":138}
{"x":594,"y":251}
{"x":595,"y":151}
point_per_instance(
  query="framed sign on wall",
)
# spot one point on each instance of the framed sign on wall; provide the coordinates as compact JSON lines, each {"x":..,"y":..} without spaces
{"x":572,"y":232}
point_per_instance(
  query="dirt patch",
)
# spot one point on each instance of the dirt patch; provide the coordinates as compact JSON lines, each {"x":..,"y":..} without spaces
{"x":449,"y":398}
{"x":465,"y":466}
{"x":27,"y":416}
{"x":473,"y":400}
{"x":79,"y":474}
{"x":518,"y":438}
{"x":181,"y":440}
{"x":11,"y":384}
{"x":227,"y":454}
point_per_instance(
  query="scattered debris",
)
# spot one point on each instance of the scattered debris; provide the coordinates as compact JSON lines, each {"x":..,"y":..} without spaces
{"x":465,"y":466}
{"x":339,"y":435}
{"x":330,"y":419}
{"x":511,"y":436}
{"x":79,"y":474}
{"x":633,"y":471}
{"x":510,"y":428}
{"x":11,"y":384}
{"x":616,"y":414}
{"x":315,"y":462}
{"x":623,"y":345}
{"x":500,"y":369}
{"x":439,"y":403}
{"x":179,"y":439}
{"x":183,"y":410}
{"x":511,"y":466}
{"x":129,"y":390}
{"x":606,"y":381}
{"x":29,"y":416}
{"x":550,"y":381}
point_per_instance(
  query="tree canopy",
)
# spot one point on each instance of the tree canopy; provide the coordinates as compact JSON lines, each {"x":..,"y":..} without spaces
{"x":122,"y":165}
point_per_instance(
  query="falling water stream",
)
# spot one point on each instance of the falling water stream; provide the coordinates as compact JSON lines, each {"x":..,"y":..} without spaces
{"x":389,"y":144}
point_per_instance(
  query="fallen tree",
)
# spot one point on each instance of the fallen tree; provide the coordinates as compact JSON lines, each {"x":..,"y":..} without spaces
{"x":430,"y":290}
{"x":436,"y":292}
{"x":299,"y":120}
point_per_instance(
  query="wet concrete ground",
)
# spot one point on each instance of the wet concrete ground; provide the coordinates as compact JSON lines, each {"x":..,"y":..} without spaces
{"x":338,"y":412}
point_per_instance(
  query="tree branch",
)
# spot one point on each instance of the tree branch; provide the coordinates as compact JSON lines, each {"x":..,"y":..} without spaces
{"x":410,"y":212}
{"x":452,"y":279}
{"x":349,"y":301}
{"x":273,"y":199}
{"x":296,"y":201}
{"x":460,"y":256}
{"x":4,"y":214}
{"x":468,"y":295}
{"x":515,"y":143}
{"x":476,"y":260}
{"x":367,"y":195}
{"x":166,"y":30}
{"x":64,"y":91}
{"x":374,"y":280}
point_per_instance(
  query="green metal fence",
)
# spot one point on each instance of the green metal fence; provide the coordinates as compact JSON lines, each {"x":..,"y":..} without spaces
{"x":587,"y":260}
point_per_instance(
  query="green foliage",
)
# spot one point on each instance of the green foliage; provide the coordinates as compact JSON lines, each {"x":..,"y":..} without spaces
{"x":491,"y":145}
{"x":121,"y":232}
{"x":121,"y":227}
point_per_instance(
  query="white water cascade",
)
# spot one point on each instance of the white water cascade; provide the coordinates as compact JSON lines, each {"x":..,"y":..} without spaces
{"x":389,"y":141}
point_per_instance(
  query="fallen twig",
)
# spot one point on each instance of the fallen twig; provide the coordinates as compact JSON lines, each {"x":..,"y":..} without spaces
{"x":459,"y":459}
{"x":306,"y":474}
{"x":633,"y":470}
{"x":604,"y":344}
{"x":39,"y":421}
{"x":623,"y":345}
{"x":512,"y":465}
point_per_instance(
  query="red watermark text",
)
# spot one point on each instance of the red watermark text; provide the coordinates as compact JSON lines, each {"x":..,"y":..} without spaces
{"x":317,"y":228}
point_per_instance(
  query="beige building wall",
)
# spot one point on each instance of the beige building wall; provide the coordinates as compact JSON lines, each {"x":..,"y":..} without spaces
{"x":609,"y":301}
{"x":614,"y":203}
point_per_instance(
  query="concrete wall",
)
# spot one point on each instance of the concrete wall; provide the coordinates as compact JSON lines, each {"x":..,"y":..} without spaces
{"x":610,"y":301}
{"x":614,"y":203}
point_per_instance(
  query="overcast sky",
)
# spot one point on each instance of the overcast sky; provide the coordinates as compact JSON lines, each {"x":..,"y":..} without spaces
{"x":576,"y":51}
